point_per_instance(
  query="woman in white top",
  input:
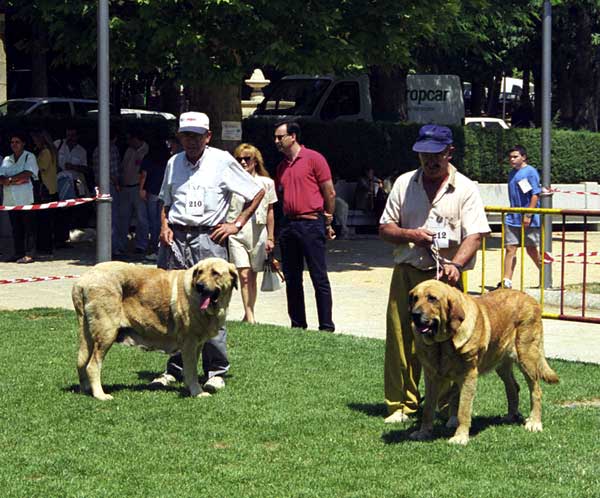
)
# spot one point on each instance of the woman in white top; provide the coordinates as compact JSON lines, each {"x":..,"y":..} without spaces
{"x":249,"y":248}
{"x":17,"y":173}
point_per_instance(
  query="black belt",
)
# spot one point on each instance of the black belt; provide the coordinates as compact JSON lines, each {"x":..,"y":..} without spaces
{"x":134,"y":185}
{"x":305,"y":216}
{"x":190,"y":228}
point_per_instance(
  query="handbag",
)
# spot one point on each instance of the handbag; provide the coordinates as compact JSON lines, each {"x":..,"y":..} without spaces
{"x":272,"y":276}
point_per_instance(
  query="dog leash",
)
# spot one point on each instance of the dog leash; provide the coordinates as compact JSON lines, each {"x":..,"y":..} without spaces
{"x":440,"y":261}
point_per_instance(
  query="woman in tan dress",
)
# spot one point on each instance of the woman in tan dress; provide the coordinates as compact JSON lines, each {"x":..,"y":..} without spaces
{"x":249,"y":248}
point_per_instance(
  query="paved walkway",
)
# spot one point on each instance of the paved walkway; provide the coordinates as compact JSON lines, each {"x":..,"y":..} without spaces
{"x":360,"y":272}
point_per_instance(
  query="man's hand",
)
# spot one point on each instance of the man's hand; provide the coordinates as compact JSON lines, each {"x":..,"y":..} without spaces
{"x":222,"y":231}
{"x":422,"y":237}
{"x":329,"y":232}
{"x":526,"y":220}
{"x":449,"y":273}
{"x":166,"y":235}
{"x":143,"y":194}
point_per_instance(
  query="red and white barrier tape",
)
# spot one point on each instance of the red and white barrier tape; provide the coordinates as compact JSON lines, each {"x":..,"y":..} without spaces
{"x":549,"y":258}
{"x":558,"y":191}
{"x":55,"y":204}
{"x":35,"y":279}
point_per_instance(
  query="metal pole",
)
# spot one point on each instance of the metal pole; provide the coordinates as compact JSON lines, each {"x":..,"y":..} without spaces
{"x":103,"y":212}
{"x":503,"y":95}
{"x":546,"y":130}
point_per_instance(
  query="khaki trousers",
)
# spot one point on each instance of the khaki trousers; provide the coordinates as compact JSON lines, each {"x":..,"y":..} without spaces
{"x":402,"y":369}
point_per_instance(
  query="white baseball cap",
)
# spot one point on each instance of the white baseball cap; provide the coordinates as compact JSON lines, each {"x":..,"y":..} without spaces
{"x":196,"y":122}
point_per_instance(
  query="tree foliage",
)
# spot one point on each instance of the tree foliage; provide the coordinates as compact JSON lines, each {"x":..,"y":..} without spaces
{"x":218,"y":42}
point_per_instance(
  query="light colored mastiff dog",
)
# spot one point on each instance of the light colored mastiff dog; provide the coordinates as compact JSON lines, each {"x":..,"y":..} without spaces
{"x":177,"y":310}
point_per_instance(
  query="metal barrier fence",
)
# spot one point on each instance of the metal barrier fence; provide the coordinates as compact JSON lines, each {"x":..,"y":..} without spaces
{"x":582,"y":217}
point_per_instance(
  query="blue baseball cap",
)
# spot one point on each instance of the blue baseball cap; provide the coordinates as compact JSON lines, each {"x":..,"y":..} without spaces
{"x":433,"y":139}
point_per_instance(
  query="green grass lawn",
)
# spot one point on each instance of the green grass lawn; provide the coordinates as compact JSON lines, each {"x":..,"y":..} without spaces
{"x":302,"y":416}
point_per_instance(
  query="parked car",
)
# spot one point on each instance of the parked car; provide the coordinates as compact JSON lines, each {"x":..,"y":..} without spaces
{"x":485,"y":122}
{"x":145,"y":115}
{"x":40,"y":107}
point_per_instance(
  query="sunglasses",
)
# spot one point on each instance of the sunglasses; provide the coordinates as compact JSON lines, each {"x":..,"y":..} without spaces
{"x":247,"y":159}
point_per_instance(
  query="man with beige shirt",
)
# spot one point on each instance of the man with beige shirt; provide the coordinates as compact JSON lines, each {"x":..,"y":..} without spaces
{"x":129,"y":197}
{"x":435,"y":217}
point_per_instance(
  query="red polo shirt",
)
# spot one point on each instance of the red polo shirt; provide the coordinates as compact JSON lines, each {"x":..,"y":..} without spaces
{"x":298,"y":182}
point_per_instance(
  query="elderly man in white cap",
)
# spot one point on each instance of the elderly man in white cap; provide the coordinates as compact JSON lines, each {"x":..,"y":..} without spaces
{"x":196,"y":193}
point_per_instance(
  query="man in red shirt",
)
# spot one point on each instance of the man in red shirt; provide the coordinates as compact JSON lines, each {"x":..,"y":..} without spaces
{"x":304,"y":184}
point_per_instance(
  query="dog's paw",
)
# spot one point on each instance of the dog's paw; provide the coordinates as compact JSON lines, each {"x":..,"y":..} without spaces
{"x":533,"y":425}
{"x":421,"y":435}
{"x":452,"y":422}
{"x":103,"y":397}
{"x":461,"y":439}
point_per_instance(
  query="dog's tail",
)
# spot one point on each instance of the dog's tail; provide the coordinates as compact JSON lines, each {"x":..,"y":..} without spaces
{"x":546,"y":373}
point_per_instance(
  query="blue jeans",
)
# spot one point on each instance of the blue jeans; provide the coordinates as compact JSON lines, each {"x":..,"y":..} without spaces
{"x":304,"y":240}
{"x":131,"y":202}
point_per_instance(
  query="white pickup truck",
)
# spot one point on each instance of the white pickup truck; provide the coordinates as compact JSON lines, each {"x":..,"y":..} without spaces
{"x":430,"y":98}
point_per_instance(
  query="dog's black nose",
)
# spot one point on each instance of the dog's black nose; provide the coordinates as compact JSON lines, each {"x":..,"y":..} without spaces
{"x":416,"y":317}
{"x":200,"y":287}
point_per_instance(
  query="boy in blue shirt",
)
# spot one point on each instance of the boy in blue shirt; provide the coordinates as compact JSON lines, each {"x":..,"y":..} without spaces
{"x":523,"y":191}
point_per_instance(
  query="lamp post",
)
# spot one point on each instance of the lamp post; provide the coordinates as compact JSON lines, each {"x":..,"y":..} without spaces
{"x":546,"y":201}
{"x":103,"y":211}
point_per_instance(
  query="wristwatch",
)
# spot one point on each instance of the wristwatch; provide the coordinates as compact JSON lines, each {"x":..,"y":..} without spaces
{"x":238,"y":225}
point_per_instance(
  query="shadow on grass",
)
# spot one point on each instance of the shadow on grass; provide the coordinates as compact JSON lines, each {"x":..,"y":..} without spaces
{"x":145,"y":376}
{"x":370,"y":409}
{"x":440,"y":431}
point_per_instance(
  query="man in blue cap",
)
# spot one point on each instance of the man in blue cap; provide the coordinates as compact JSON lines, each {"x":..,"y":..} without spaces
{"x":435,"y":218}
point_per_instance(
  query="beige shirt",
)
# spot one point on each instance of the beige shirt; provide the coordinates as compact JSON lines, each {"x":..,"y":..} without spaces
{"x":131,"y":165}
{"x":457,"y":210}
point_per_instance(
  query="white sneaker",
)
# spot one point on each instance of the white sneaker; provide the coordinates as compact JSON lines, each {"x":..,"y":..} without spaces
{"x":507,"y":283}
{"x":163,"y":379}
{"x":214,"y":384}
{"x":397,"y":417}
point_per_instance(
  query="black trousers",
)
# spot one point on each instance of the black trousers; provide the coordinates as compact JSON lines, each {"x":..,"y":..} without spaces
{"x":23,"y":232}
{"x":45,"y":225}
{"x":300,"y":241}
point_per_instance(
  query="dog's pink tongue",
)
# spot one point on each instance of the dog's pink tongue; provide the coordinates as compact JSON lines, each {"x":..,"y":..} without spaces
{"x":204,"y":304}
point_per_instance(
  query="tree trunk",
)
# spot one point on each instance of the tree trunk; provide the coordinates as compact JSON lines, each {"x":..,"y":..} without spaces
{"x":170,"y":97}
{"x":388,"y":93}
{"x":477,"y":97}
{"x":220,"y":103}
{"x":39,"y":63}
{"x":492,"y":103}
{"x":584,"y":87}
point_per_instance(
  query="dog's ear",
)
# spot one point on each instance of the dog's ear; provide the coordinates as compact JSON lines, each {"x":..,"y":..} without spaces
{"x":234,"y":278}
{"x":456,"y":316}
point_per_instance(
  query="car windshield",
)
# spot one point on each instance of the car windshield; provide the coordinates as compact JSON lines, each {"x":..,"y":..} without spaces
{"x":14,"y":107}
{"x":297,"y":97}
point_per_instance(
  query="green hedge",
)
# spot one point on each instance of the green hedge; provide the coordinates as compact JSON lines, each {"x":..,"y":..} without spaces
{"x":480,"y":154}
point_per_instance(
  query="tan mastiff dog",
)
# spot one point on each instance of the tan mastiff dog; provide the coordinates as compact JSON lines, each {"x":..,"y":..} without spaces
{"x":458,"y":337}
{"x":177,"y":310}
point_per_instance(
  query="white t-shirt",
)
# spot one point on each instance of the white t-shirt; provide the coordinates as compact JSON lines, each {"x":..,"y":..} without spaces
{"x":77,"y":155}
{"x":199,"y":194}
{"x":260,"y":215}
